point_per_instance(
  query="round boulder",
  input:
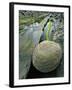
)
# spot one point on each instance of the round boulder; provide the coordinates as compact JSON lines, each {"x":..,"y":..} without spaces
{"x":46,"y":56}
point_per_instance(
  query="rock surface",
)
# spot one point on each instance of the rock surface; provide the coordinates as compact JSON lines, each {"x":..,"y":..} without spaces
{"x":47,"y":56}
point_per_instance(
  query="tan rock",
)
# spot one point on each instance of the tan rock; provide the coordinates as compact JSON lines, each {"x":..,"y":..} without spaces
{"x":47,"y":56}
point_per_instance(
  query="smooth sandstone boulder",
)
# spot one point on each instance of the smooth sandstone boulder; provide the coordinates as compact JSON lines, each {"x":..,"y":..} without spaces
{"x":47,"y":56}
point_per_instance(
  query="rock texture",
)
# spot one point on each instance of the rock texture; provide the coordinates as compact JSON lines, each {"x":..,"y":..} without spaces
{"x":47,"y":56}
